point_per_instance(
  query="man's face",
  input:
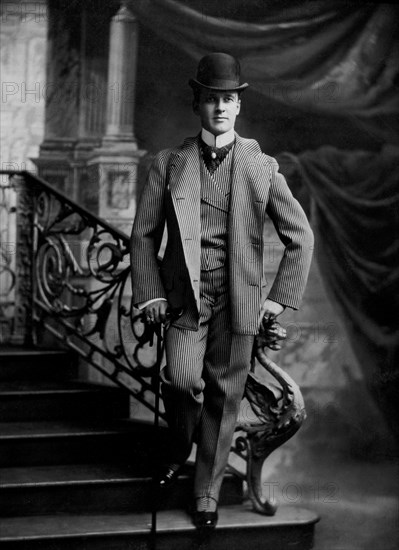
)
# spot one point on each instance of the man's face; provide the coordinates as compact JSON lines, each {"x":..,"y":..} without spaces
{"x":217,"y":110}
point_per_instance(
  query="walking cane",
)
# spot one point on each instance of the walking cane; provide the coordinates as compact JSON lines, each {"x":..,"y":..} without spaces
{"x":159,"y":330}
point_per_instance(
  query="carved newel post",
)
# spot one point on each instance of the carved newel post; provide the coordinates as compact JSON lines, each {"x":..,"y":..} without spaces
{"x":114,"y":164}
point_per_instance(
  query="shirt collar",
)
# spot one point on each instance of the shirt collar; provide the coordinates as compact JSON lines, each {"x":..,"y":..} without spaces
{"x":217,"y":141}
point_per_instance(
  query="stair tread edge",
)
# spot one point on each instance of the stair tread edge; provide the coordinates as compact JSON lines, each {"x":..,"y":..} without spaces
{"x":123,"y":524}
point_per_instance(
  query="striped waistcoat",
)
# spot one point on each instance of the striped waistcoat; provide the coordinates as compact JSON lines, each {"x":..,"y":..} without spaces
{"x":215,"y":199}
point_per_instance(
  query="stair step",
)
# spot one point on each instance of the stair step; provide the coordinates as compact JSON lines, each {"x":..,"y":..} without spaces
{"x":37,"y":364}
{"x":41,"y":400}
{"x":73,"y":478}
{"x":291,"y":527}
{"x":93,"y":488}
{"x":73,"y":441}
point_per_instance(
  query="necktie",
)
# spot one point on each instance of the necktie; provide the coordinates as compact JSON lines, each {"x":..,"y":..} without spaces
{"x":213,"y":156}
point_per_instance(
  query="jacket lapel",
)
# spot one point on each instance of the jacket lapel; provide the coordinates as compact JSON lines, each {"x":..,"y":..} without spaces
{"x":185,"y":190}
{"x":249,"y":187}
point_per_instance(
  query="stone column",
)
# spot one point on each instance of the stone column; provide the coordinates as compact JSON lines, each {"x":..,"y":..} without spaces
{"x":122,"y":76}
{"x":75,"y":95}
{"x":113,"y":166}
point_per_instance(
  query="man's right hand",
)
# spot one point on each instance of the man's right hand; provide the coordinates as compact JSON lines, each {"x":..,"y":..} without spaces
{"x":156,"y":312}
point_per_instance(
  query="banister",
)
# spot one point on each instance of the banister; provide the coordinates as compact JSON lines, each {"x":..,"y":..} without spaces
{"x":78,"y":291}
{"x":64,"y":198}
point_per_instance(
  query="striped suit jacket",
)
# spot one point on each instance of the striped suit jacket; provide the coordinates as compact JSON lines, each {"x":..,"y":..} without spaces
{"x":171,"y":196}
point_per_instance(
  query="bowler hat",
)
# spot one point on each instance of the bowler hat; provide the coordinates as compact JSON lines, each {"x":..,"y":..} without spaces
{"x":218,"y":71}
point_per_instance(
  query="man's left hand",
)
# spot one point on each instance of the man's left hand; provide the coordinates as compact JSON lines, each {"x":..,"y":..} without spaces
{"x":269,"y":311}
{"x":272,"y":332}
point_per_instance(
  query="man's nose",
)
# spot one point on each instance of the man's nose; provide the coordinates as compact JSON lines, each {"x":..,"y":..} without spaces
{"x":220,"y":106}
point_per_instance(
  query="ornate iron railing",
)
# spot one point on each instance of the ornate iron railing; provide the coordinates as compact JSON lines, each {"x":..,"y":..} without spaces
{"x":72,"y":280}
{"x":7,"y":258}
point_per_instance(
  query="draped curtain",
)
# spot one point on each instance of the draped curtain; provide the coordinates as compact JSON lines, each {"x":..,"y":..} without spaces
{"x":338,"y":58}
{"x":356,"y":222}
{"x":332,"y":57}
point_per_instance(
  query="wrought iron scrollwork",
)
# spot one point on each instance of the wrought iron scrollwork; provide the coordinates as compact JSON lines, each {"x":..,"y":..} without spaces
{"x":82,"y":276}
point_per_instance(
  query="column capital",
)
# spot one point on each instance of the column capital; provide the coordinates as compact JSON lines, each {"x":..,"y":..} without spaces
{"x":124,"y":13}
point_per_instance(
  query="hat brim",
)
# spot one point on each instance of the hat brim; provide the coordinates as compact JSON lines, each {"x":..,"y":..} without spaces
{"x":196,"y":84}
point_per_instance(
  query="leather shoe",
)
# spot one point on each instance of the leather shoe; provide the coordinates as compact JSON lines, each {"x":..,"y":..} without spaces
{"x":205,"y":521}
{"x":167,"y":478}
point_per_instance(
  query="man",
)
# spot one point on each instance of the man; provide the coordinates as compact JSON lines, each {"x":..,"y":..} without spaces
{"x":214,"y":193}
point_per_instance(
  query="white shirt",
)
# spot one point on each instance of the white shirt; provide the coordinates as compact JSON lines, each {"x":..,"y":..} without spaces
{"x":217,"y":141}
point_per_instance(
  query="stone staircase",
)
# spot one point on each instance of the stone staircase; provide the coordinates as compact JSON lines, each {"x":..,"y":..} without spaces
{"x":75,"y":471}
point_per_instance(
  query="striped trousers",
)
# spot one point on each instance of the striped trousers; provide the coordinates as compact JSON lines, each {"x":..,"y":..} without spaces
{"x":203,"y":384}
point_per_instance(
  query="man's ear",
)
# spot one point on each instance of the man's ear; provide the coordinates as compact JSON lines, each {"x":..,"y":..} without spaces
{"x":238,"y":106}
{"x":195,"y":107}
